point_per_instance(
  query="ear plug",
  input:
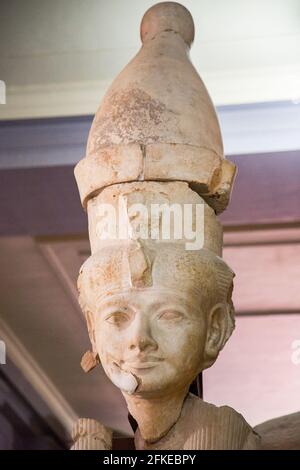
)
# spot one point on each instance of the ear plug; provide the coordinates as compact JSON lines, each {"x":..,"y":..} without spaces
{"x":89,"y":361}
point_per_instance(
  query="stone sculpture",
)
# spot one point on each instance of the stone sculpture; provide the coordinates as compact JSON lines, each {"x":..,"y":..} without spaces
{"x":155,"y":292}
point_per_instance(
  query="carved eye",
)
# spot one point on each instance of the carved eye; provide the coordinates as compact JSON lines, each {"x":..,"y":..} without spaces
{"x":117,"y":318}
{"x":170,"y":315}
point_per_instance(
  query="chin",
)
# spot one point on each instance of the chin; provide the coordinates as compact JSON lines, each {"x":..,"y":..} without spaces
{"x":154,"y":384}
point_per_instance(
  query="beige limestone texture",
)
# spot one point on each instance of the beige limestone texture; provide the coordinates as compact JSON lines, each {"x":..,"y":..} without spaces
{"x":89,"y":361}
{"x":158,"y":313}
{"x":202,"y":426}
{"x":157,"y":316}
{"x":157,"y":121}
{"x":130,"y":209}
{"x":281,"y":433}
{"x":89,"y":434}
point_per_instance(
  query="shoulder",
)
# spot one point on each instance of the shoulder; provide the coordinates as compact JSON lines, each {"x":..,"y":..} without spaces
{"x":227,"y":429}
{"x":246,"y":436}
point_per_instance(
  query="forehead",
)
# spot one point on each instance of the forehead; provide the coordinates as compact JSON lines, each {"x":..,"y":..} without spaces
{"x":148,"y":297}
{"x":134,"y":266}
{"x":139,"y":273}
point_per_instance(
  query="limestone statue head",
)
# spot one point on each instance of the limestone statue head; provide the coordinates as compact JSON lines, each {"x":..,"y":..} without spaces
{"x":156,"y":316}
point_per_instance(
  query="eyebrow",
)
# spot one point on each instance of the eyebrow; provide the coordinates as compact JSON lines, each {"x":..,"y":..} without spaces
{"x":122,"y":299}
{"x":112,"y":302}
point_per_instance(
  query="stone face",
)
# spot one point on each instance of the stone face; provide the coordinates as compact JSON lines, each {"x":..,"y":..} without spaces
{"x":155,"y":292}
{"x":157,"y":121}
{"x":155,"y":330}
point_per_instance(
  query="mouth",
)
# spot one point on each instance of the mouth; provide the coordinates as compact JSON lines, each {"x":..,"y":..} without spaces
{"x":143,"y":364}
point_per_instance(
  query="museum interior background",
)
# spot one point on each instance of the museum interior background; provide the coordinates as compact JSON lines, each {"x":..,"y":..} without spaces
{"x":57,"y":59}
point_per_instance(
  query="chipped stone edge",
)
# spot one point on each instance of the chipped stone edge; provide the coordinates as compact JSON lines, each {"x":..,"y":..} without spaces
{"x":207,"y":173}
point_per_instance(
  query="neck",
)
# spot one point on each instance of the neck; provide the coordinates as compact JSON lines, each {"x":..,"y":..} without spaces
{"x":155,"y":415}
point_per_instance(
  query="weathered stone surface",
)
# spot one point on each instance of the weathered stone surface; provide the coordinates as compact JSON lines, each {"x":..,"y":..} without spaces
{"x":110,"y":165}
{"x":89,"y":361}
{"x":157,"y":121}
{"x":157,"y":315}
{"x":202,"y":426}
{"x":159,"y":312}
{"x":182,"y":213}
{"x":138,"y":265}
{"x":89,"y":434}
{"x":281,"y":433}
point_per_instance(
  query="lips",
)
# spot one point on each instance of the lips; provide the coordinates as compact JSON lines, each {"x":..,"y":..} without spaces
{"x":146,"y":363}
{"x":142,"y":365}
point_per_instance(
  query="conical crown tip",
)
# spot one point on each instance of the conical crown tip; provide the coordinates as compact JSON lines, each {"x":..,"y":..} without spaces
{"x":168,"y":16}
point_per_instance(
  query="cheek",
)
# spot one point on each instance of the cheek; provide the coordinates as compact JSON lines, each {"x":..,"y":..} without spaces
{"x":108,"y":344}
{"x":183,"y":343}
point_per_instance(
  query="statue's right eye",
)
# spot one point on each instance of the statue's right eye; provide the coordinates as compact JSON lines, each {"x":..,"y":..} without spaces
{"x":117,"y":318}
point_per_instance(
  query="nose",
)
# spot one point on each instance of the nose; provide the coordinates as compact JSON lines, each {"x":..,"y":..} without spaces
{"x":141,"y":338}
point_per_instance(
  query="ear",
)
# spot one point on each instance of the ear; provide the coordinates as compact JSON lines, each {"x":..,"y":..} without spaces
{"x":91,"y":330}
{"x":90,"y":359}
{"x":219,"y":329}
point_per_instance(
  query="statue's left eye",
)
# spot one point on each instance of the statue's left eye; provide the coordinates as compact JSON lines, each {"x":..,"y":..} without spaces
{"x":170,"y":315}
